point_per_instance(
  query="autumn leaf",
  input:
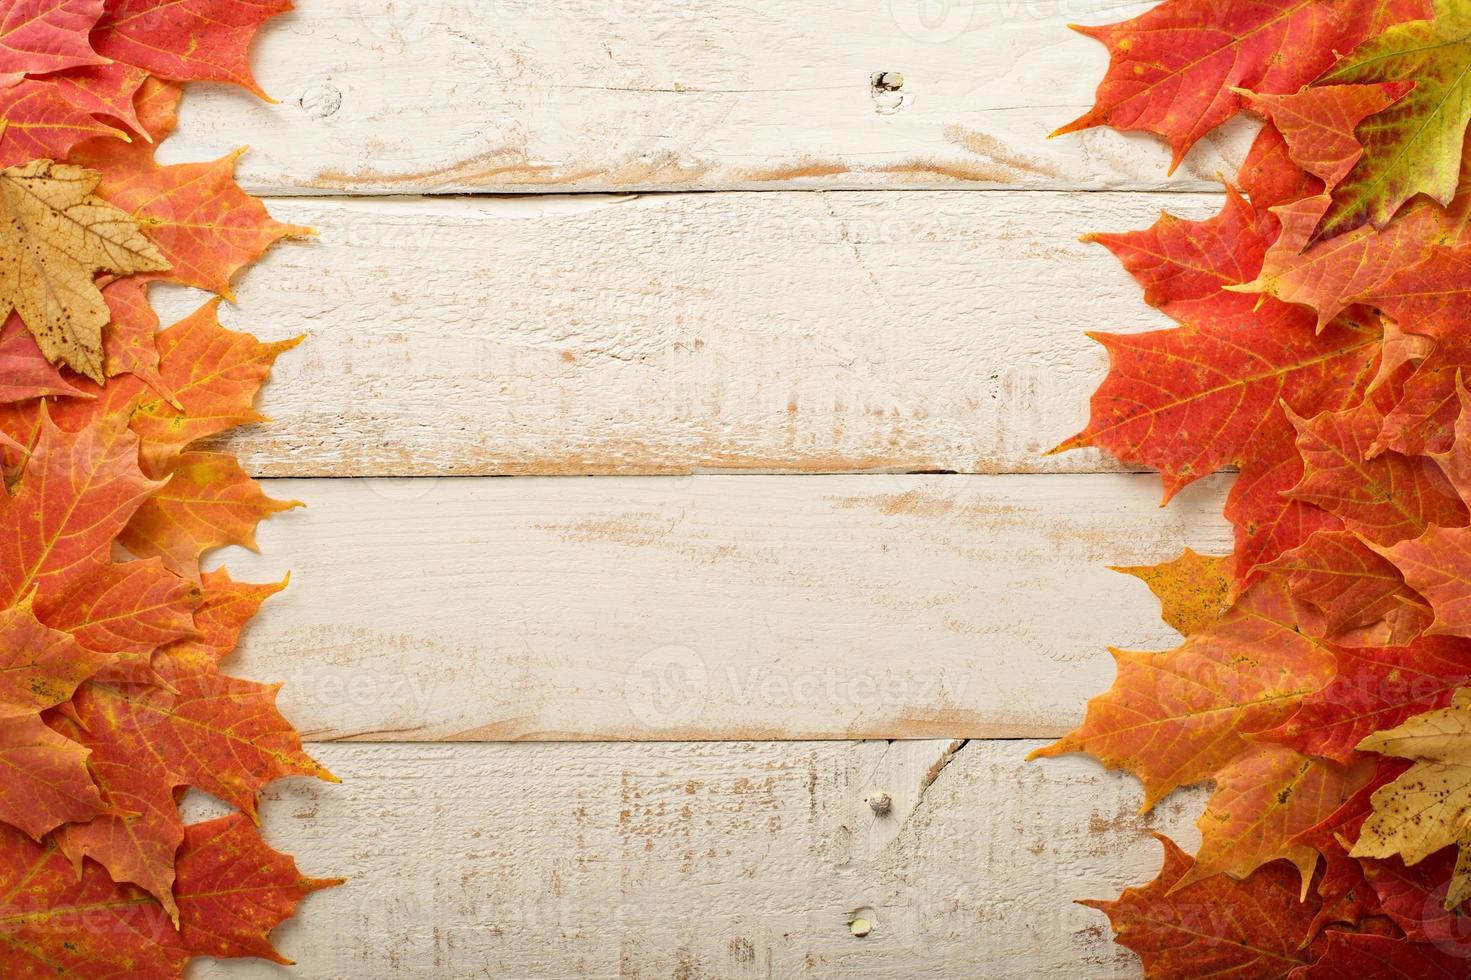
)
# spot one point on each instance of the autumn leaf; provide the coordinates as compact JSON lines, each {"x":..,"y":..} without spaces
{"x":76,"y":495}
{"x":1414,"y":146}
{"x":1414,"y":898}
{"x":1262,"y":801}
{"x":1372,"y":689}
{"x":1349,"y":954}
{"x":205,"y":226}
{"x":1348,"y":593}
{"x":186,"y":40}
{"x":1174,"y":69}
{"x":1438,"y":566}
{"x":1193,"y":590}
{"x":40,"y":36}
{"x":54,"y":919}
{"x":1181,"y":716}
{"x":24,"y":371}
{"x":104,"y":90}
{"x":1189,"y":401}
{"x":209,"y":502}
{"x":1217,"y":926}
{"x":1429,"y":807}
{"x":56,"y":235}
{"x":41,"y":125}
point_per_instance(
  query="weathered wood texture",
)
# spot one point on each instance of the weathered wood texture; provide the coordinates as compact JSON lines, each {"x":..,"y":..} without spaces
{"x":721,"y":860}
{"x":409,"y":96}
{"x":662,"y":334}
{"x":710,"y":607}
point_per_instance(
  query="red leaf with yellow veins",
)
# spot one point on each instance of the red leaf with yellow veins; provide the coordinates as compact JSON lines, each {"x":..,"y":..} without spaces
{"x":1423,"y":419}
{"x":1181,"y":716}
{"x":1174,"y":69}
{"x":40,"y":124}
{"x":1333,"y":274}
{"x":186,"y":40}
{"x":1385,"y":499}
{"x":1189,"y":401}
{"x":216,"y":733}
{"x":1438,"y":566}
{"x":1373,"y":689}
{"x":1349,"y":593}
{"x":46,"y":782}
{"x":1430,"y":297}
{"x":1262,"y":801}
{"x":1215,"y":927}
{"x":139,"y":836}
{"x":104,"y":90}
{"x":1193,"y":590}
{"x":1269,"y":177}
{"x":41,"y":36}
{"x":1414,"y":146}
{"x":209,"y":502}
{"x":231,"y":890}
{"x":126,"y":608}
{"x":1317,"y":124}
{"x":1266,"y":521}
{"x":24,"y":371}
{"x":74,"y":498}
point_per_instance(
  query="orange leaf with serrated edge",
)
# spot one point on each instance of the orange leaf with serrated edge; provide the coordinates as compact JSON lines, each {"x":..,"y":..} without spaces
{"x":213,"y":375}
{"x":202,"y":222}
{"x":1348,"y":593}
{"x":1437,"y":565}
{"x":1262,"y":801}
{"x":1181,"y":716}
{"x":186,"y":40}
{"x":213,"y":732}
{"x":75,"y":496}
{"x":1174,"y":69}
{"x":1193,"y":590}
{"x":40,"y":124}
{"x":1372,"y":689}
{"x":86,"y":925}
{"x":104,"y":90}
{"x":209,"y":502}
{"x":127,"y":607}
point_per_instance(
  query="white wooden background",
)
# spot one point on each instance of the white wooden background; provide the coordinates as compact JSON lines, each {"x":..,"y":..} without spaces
{"x":780,"y":536}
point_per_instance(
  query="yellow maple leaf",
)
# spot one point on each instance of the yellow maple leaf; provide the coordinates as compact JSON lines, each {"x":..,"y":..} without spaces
{"x":55,"y":236}
{"x":1429,"y":807}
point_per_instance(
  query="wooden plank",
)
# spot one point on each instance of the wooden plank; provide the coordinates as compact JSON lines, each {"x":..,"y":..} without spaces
{"x":710,"y":607}
{"x":467,"y":95}
{"x":790,"y":332}
{"x":721,"y":860}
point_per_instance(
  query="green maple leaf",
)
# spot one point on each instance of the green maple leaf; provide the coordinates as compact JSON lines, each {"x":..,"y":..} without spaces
{"x":1414,"y":146}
